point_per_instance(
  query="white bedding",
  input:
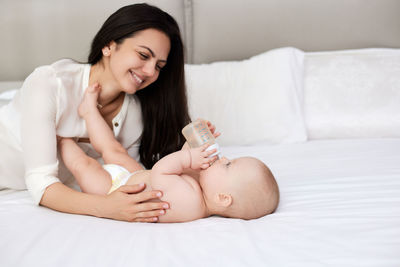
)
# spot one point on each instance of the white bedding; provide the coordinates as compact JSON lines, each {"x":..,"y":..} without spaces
{"x":340,"y":206}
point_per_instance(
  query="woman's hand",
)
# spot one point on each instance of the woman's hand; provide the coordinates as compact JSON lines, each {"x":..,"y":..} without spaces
{"x":129,"y":203}
{"x":212,"y":129}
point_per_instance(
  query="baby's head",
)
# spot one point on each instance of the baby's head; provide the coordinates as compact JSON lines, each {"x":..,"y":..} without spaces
{"x":240,"y":188}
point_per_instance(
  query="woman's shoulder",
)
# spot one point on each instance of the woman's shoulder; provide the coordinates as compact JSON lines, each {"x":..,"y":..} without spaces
{"x":59,"y":68}
{"x":65,"y":63}
{"x":65,"y":73}
{"x":67,"y":66}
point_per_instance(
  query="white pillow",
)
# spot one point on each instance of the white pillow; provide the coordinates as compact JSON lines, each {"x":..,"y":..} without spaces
{"x":352,"y":94}
{"x":9,"y":85}
{"x":6,"y":96}
{"x":252,"y":101}
{"x":7,"y":91}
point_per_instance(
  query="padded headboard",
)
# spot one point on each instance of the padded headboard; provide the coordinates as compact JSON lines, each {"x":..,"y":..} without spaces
{"x":226,"y":29}
{"x":37,"y":32}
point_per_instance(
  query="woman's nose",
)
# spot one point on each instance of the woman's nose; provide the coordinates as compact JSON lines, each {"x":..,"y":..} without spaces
{"x":149,"y":68}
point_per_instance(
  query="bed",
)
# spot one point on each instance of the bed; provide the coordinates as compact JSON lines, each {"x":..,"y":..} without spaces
{"x":320,"y":105}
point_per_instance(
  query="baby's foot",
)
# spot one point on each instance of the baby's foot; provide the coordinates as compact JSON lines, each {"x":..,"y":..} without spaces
{"x":89,"y":101}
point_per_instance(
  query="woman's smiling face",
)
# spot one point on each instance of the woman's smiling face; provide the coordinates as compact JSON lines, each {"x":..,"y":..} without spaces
{"x":137,"y":61}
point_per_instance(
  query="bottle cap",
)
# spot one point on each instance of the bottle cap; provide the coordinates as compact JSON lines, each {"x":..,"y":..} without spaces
{"x":217,"y":153}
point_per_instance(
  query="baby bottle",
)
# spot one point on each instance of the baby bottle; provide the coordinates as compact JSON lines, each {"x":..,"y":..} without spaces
{"x":197,"y":134}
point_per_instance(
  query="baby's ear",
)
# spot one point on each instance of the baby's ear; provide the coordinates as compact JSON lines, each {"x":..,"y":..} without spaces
{"x":224,"y":200}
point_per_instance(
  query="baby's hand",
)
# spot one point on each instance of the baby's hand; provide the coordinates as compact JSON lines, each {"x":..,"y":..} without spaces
{"x":199,"y":157}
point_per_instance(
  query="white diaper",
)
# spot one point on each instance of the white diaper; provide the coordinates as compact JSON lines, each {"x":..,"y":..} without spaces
{"x":119,"y":175}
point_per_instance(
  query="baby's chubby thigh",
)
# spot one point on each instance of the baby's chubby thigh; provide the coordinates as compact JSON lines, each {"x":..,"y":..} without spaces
{"x":142,"y":176}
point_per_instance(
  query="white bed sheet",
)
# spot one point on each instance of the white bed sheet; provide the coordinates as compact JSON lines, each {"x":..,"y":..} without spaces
{"x":340,"y":206}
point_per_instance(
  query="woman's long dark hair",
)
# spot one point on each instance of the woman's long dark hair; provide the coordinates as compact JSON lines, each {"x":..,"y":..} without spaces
{"x":164,"y":102}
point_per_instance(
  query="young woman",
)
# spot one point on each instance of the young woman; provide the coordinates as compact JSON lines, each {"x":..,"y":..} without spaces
{"x":137,"y":58}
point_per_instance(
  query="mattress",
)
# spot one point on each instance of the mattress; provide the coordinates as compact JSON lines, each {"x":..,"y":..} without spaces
{"x":340,"y":206}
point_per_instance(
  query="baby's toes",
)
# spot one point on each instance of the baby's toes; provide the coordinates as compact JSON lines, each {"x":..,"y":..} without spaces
{"x":92,"y":94}
{"x":89,"y":100}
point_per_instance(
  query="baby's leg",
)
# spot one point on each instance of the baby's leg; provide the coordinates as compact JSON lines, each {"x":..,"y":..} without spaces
{"x":89,"y":173}
{"x":100,"y":134}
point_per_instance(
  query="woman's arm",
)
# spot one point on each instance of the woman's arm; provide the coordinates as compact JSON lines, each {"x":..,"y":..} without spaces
{"x":123,"y":204}
{"x":39,"y":118}
{"x":38,"y":104}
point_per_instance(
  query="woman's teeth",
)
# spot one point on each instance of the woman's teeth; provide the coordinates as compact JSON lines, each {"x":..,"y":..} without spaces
{"x":137,"y":78}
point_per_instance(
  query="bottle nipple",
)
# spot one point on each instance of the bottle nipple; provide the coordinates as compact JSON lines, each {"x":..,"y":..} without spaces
{"x":217,"y":153}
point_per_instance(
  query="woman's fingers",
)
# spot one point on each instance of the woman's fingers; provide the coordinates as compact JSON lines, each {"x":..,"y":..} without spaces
{"x":210,"y":126}
{"x":139,"y":209}
{"x":212,"y":129}
{"x":132,"y":189}
{"x":145,"y":196}
{"x":150,"y":214}
{"x":146,"y":220}
{"x":151,"y":206}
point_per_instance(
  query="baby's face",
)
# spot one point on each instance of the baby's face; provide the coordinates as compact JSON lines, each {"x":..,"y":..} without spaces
{"x":221,"y":175}
{"x":247,"y":181}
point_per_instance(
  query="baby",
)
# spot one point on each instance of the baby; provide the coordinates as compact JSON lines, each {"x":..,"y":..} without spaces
{"x":240,"y":188}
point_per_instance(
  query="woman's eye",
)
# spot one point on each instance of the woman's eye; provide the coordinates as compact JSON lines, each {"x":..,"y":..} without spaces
{"x":158,"y":67}
{"x":143,"y":56}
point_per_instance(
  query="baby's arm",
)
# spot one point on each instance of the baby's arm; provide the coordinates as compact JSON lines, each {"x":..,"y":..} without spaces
{"x":194,"y":158}
{"x":100,"y":134}
{"x":182,"y":192}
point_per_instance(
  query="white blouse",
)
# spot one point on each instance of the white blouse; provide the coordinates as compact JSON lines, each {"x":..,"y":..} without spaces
{"x":46,"y":106}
